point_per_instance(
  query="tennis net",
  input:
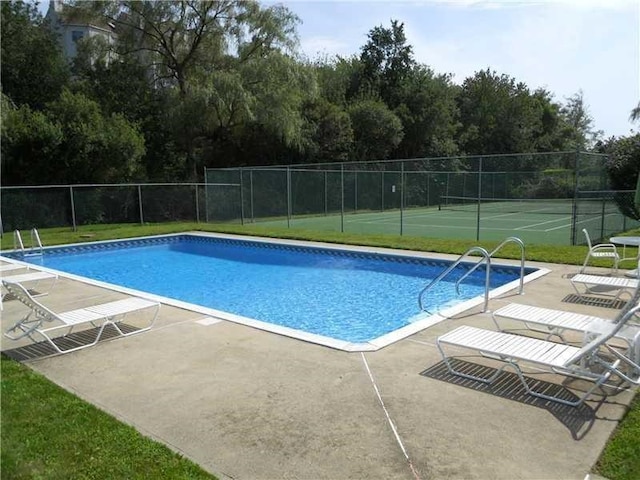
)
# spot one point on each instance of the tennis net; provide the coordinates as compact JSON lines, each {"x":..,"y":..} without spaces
{"x":540,"y":206}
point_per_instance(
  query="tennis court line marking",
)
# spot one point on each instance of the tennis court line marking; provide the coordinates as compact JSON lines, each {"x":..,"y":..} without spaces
{"x":563,"y":219}
{"x":580,"y":222}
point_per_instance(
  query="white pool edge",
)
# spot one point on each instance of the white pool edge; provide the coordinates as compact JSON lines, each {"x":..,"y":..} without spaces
{"x":372,"y":345}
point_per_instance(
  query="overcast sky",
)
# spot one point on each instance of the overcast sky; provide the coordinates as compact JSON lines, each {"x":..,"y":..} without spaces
{"x":561,"y":45}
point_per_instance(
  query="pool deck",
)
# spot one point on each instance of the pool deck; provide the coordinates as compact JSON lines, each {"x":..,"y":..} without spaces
{"x":249,"y":404}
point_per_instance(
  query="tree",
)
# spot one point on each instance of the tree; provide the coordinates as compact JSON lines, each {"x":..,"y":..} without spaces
{"x":328,"y":132}
{"x":429,"y":114}
{"x":578,"y":123}
{"x":376,"y":130}
{"x":30,"y":142}
{"x":223,"y":66}
{"x":70,"y":142}
{"x":386,"y":60}
{"x":635,"y":114}
{"x":623,"y":168}
{"x":33,"y":68}
{"x":176,"y":38}
{"x":500,"y":115}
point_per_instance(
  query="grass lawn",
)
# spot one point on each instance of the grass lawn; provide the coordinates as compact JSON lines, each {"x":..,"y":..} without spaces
{"x":47,"y":432}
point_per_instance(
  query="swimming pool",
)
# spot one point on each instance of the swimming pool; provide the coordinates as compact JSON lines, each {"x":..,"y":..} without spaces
{"x":345,"y":297}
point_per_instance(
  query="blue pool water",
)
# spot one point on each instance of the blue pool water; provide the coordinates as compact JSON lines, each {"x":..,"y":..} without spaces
{"x":349,"y":296}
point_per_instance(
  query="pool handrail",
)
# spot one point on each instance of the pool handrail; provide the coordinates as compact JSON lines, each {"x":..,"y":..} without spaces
{"x":486,"y":258}
{"x":515,"y":240}
{"x":17,"y":241}
{"x":35,"y":242}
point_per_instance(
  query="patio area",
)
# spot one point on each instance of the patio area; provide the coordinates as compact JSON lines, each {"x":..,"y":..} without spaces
{"x":249,"y":404}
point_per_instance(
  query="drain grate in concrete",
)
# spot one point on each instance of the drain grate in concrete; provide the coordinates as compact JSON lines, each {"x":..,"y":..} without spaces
{"x":594,"y":301}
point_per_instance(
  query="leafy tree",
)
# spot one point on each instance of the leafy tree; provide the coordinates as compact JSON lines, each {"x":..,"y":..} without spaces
{"x":500,"y":115}
{"x":578,"y":123}
{"x":30,"y":143}
{"x":429,"y":114}
{"x":623,"y":167}
{"x":95,"y":148}
{"x":335,"y":77}
{"x":329,"y":136}
{"x":33,"y":68}
{"x":376,"y":130}
{"x":223,"y":67}
{"x":386,"y":60}
{"x":176,"y":38}
{"x":635,"y":114}
{"x":71,"y":141}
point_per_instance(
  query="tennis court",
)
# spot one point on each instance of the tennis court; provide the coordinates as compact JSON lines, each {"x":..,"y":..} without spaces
{"x":437,"y":222}
{"x":540,"y":198}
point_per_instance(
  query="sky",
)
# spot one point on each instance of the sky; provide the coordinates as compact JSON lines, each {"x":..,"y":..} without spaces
{"x":563,"y":46}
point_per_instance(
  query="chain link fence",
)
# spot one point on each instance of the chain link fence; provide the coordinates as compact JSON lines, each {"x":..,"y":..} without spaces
{"x":540,"y":198}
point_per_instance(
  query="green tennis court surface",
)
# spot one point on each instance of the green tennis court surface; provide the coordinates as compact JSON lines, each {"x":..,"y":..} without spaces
{"x":432,"y":222}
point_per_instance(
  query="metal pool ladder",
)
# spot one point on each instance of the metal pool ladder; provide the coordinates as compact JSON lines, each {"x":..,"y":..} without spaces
{"x":486,"y":259}
{"x":36,"y":244}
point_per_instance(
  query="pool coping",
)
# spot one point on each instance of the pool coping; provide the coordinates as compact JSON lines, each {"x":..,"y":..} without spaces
{"x":419,"y":322}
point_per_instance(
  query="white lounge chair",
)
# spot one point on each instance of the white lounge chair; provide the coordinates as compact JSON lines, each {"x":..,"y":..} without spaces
{"x":596,"y":361}
{"x":600,"y":250}
{"x":557,"y":322}
{"x":604,"y":284}
{"x":44,"y":322}
{"x":30,"y":277}
{"x":9,"y":267}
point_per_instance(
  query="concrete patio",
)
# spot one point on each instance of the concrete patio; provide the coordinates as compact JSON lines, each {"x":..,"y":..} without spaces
{"x":249,"y":404}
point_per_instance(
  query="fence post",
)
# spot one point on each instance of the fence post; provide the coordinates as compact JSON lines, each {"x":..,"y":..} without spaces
{"x":73,"y":209}
{"x":241,"y":198}
{"x":342,"y":197}
{"x":288,"y":197}
{"x":197,"y":204}
{"x":574,"y":206}
{"x":355,"y":192}
{"x":251,"y":194}
{"x":382,"y":189}
{"x":401,"y":197}
{"x":326,"y":198}
{"x":206,"y":197}
{"x":140,"y":204}
{"x":479,"y":199}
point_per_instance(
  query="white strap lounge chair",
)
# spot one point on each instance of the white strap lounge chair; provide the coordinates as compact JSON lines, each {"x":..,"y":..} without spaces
{"x":30,"y":277}
{"x":600,"y":250}
{"x":603,"y":285}
{"x":557,"y":322}
{"x":586,"y":362}
{"x":43,"y":322}
{"x":11,"y":267}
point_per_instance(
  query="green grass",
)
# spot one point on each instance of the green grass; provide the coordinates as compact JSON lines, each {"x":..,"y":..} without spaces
{"x":50,"y":433}
{"x":620,"y":459}
{"x":534,"y":252}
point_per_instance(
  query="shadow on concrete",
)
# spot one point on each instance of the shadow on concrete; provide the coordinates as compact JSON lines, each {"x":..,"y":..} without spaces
{"x":44,"y":349}
{"x":578,"y":420}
